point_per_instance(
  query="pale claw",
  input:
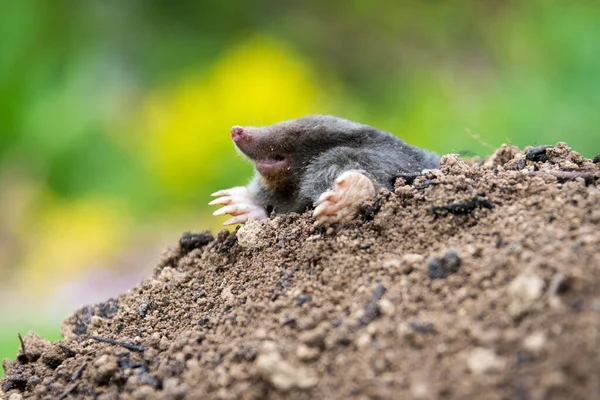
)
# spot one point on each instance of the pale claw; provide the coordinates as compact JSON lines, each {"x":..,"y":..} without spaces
{"x":234,"y":209}
{"x":239,"y":203}
{"x":342,"y":202}
{"x":240,"y":219}
{"x":329,"y":195}
{"x":227,"y":200}
{"x":319,"y":209}
{"x":235,"y":191}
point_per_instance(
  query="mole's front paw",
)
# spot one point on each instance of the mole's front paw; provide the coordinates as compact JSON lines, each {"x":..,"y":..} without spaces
{"x":239,"y":203}
{"x":342,"y":202}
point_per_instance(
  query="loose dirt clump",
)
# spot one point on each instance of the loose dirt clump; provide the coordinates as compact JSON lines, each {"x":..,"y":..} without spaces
{"x":478,"y":280}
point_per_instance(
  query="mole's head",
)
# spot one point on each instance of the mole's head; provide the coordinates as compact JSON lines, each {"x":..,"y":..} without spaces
{"x":282,"y":151}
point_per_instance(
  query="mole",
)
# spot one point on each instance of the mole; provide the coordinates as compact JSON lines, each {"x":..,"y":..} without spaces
{"x":320,"y":161}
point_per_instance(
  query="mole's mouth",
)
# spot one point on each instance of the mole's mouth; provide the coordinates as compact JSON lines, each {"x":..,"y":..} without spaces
{"x":275,"y":164}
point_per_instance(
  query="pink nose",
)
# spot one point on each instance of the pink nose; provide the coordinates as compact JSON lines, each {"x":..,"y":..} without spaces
{"x":238,"y":133}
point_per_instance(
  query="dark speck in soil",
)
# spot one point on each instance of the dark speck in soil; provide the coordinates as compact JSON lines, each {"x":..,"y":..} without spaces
{"x":409,"y":179}
{"x":464,"y":207}
{"x":442,"y":267}
{"x":538,"y":154}
{"x":371,"y":310}
{"x":422,"y":327}
{"x":190,"y":241}
{"x":303,"y":299}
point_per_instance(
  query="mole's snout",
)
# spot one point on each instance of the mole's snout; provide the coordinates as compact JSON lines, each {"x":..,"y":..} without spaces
{"x":238,"y":133}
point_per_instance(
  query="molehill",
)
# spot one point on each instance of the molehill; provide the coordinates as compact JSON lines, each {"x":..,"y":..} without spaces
{"x":478,"y":280}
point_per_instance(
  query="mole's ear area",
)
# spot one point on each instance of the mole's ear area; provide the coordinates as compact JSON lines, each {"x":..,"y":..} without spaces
{"x":342,"y":202}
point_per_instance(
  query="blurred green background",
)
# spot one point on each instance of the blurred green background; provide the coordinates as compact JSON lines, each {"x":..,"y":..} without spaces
{"x":115,"y":115}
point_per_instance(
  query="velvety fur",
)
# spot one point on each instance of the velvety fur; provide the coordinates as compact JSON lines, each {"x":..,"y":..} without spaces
{"x":319,"y":148}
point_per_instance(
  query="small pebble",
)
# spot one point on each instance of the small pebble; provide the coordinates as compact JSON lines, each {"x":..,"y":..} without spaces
{"x":482,"y":360}
{"x":535,"y":342}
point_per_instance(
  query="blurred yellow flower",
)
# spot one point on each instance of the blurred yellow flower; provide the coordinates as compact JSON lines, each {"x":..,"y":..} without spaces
{"x":186,"y":128}
{"x":71,"y":236}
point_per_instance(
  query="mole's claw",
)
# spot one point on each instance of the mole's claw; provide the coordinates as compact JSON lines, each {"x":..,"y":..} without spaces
{"x":225,"y":200}
{"x":320,"y":209}
{"x":239,"y":219}
{"x":340,"y":180}
{"x":234,"y":191}
{"x":326,"y":196}
{"x":341,"y":203}
{"x":239,"y":203}
{"x":226,"y":210}
{"x":234,"y":209}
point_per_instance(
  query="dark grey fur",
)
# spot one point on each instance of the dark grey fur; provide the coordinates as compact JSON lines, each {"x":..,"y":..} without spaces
{"x":320,"y":148}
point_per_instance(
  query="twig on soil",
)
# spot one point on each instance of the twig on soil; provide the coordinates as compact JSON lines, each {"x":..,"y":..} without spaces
{"x":77,"y":374}
{"x":464,"y":207}
{"x":371,"y":310}
{"x":426,"y":184}
{"x":71,"y":353}
{"x":372,"y":210}
{"x":67,"y":391}
{"x":128,"y":346}
{"x":565,"y":176}
{"x":22,"y":344}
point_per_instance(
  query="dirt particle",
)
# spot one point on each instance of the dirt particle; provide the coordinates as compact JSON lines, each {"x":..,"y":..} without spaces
{"x":143,"y":307}
{"x":422,"y":327}
{"x":190,"y":241}
{"x":16,"y":382}
{"x":34,"y":346}
{"x":282,"y":374}
{"x":173,"y":388}
{"x":535,"y":342}
{"x":307,"y":353}
{"x":54,"y":356}
{"x":524,"y":291}
{"x":363,"y":340}
{"x":255,"y":235}
{"x":420,"y":388}
{"x":104,"y":369}
{"x":172,"y":275}
{"x":482,"y":360}
{"x":451,"y":164}
{"x":392,"y":263}
{"x":315,"y":337}
{"x":371,"y":310}
{"x":386,"y":307}
{"x":303,"y":299}
{"x":442,"y":267}
{"x":537,"y":154}
{"x":501,"y":156}
{"x":462,"y":207}
{"x":412,"y":259}
{"x":227,"y":296}
{"x":596,"y":304}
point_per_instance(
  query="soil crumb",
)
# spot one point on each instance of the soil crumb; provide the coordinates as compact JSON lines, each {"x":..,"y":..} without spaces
{"x":477,"y":280}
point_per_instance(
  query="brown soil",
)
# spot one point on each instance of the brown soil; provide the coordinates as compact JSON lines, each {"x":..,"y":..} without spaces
{"x":479,"y":280}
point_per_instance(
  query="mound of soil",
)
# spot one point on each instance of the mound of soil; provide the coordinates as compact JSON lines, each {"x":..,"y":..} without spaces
{"x":478,"y":280}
